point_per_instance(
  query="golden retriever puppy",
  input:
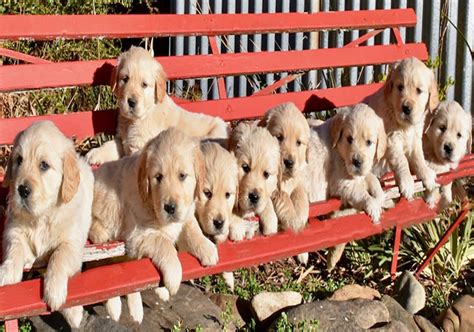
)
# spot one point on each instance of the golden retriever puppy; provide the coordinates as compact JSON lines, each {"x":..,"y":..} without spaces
{"x":49,"y":212}
{"x":447,"y":138}
{"x":147,"y":199}
{"x":290,"y":200}
{"x":342,"y":152}
{"x":258,"y":160}
{"x":139,"y":83}
{"x":409,"y":93}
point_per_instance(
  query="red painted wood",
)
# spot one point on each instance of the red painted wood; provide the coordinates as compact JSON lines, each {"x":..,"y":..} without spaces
{"x":396,"y":250}
{"x":47,"y":27}
{"x":21,"y":56}
{"x":11,"y":325}
{"x":363,"y":38}
{"x":29,"y":76}
{"x":278,"y":84}
{"x":220,"y":81}
{"x":98,"y":284}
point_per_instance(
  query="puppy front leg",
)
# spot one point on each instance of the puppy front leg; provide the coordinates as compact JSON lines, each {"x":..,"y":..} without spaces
{"x":269,"y":219}
{"x":109,"y":151}
{"x":11,"y":271}
{"x":240,"y":228}
{"x":446,"y":195}
{"x":292,"y":211}
{"x":399,"y":164}
{"x":356,"y":195}
{"x":65,"y":261}
{"x":375,"y":188}
{"x":421,"y":169}
{"x":193,"y":240}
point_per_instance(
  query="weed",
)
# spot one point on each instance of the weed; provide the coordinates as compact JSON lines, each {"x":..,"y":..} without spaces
{"x":284,"y":325}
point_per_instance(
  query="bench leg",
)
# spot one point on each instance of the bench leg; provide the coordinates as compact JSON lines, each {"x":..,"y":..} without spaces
{"x":11,"y":325}
{"x":396,"y":249}
{"x":443,"y":240}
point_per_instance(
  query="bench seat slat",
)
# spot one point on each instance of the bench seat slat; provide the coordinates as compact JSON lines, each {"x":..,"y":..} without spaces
{"x":98,"y":284}
{"x":97,"y":72}
{"x":48,"y":27}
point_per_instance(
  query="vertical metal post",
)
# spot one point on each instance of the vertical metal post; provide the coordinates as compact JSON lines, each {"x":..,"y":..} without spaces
{"x":451,"y":41}
{"x":243,"y":47}
{"x":353,"y":72}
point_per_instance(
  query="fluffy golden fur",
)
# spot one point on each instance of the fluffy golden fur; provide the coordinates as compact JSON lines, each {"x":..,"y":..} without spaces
{"x":258,"y":159}
{"x":342,"y":152}
{"x":447,"y":138}
{"x":49,"y":212}
{"x":139,"y":83}
{"x":289,"y":126}
{"x":409,"y":93}
{"x":147,"y":199}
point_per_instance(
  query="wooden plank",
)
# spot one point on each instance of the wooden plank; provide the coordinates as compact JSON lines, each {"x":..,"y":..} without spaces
{"x":48,"y":27}
{"x":98,"y":284}
{"x":79,"y":73}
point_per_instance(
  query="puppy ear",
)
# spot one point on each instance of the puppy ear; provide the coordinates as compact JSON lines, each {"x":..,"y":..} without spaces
{"x":268,"y":116}
{"x":239,"y":134}
{"x":160,"y":84}
{"x":469,"y":142}
{"x":336,"y":127}
{"x":114,"y":78}
{"x":433,"y":99}
{"x":381,"y":141}
{"x":388,"y":86}
{"x":9,"y":172}
{"x":71,"y":176}
{"x":199,"y":170}
{"x":142,"y":177}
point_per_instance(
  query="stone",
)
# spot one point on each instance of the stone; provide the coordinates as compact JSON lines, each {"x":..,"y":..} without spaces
{"x":241,"y":309}
{"x":424,"y":324}
{"x":460,"y":317}
{"x":409,"y":293}
{"x":266,"y":304}
{"x":350,"y":292}
{"x":393,"y":326}
{"x":397,"y":312}
{"x":353,"y":315}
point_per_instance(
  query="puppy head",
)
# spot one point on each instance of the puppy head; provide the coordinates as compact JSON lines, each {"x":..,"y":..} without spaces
{"x":138,"y":82}
{"x":170,"y":171}
{"x":41,"y":177}
{"x":449,"y":132}
{"x":289,"y":126}
{"x":258,"y":159}
{"x":217,"y":199}
{"x":410,"y":91}
{"x":359,"y":137}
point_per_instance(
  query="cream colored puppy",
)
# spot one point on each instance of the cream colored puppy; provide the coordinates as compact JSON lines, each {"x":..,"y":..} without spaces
{"x":49,"y":212}
{"x":139,"y":83}
{"x":258,"y":159}
{"x":148,"y":200}
{"x":447,"y":138}
{"x":342,"y":152}
{"x":409,"y":93}
{"x":289,"y":126}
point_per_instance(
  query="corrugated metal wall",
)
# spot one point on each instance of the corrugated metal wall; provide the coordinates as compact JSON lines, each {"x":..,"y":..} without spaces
{"x":447,"y":27}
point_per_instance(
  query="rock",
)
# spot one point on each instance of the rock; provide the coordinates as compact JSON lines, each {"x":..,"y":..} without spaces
{"x":189,"y":309}
{"x":350,"y":292}
{"x":393,"y":326}
{"x":424,"y":324}
{"x":397,"y":312}
{"x":266,"y":304}
{"x":409,"y":293}
{"x":460,"y":317}
{"x":353,"y":315}
{"x":241,"y":309}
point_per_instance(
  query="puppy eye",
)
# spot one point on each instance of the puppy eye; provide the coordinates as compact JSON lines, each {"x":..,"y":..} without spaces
{"x":208,"y":194}
{"x":369,"y":142}
{"x":159,"y":177}
{"x":298,"y":143}
{"x":44,"y":166}
{"x":182,"y":176}
{"x":400,"y":87}
{"x":280,"y":138}
{"x":19,"y":160}
{"x":419,"y":91}
{"x":246,"y":168}
{"x":442,"y":129}
{"x":266,"y":175}
{"x":125,"y":79}
{"x":459,"y":135}
{"x":144,"y":85}
{"x":227,"y":195}
{"x":350,"y":139}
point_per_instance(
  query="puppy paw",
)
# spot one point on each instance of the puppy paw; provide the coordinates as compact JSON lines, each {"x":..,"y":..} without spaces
{"x":113,"y":306}
{"x":407,"y":187}
{"x":209,"y":255}
{"x":172,"y":275}
{"x":303,"y":258}
{"x":269,"y":223}
{"x":229,"y":279}
{"x":163,"y":293}
{"x":432,"y":199}
{"x":374,"y":210}
{"x":55,"y":291}
{"x":429,"y":179}
{"x":94,"y":157}
{"x":8,"y":275}
{"x":135,"y":307}
{"x":251,"y":228}
{"x":73,"y":316}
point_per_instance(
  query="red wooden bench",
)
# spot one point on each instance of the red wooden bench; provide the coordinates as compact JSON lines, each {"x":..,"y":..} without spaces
{"x":100,"y":283}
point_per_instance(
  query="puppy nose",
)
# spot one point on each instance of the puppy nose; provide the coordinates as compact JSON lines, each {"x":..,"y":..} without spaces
{"x":218,"y":223}
{"x":288,"y":163}
{"x":253,"y":197}
{"x":406,"y":109}
{"x":170,"y":208}
{"x":131,"y":102}
{"x":448,"y":148}
{"x":24,"y":191}
{"x":356,"y":162}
